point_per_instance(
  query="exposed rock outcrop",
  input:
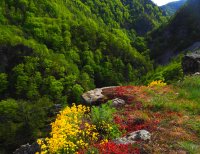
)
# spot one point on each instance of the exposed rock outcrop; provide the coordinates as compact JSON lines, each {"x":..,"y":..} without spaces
{"x":191,"y":63}
{"x":97,"y":96}
{"x":133,"y":137}
{"x":28,"y":149}
{"x":118,"y":94}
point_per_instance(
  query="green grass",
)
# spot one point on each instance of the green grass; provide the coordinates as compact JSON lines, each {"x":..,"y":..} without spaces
{"x":190,"y":88}
{"x":173,"y":103}
{"x":186,"y":100}
{"x":190,"y":147}
{"x":194,"y":125}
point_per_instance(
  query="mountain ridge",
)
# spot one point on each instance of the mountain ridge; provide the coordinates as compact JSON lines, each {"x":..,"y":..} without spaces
{"x":171,"y":8}
{"x":179,"y":33}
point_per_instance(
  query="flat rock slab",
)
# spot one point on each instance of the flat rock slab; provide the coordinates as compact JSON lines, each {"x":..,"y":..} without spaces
{"x":98,"y":95}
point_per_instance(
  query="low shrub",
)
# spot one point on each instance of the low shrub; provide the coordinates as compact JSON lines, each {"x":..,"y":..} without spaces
{"x":170,"y":73}
{"x":103,"y":118}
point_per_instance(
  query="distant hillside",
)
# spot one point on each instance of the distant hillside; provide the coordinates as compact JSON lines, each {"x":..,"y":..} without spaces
{"x":181,"y":32}
{"x":172,"y":7}
{"x":139,"y":15}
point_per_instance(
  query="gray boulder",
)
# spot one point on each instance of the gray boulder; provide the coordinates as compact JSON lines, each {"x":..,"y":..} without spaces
{"x":93,"y":96}
{"x":97,"y":96}
{"x":197,"y":74}
{"x":117,"y":102}
{"x":28,"y":149}
{"x":191,"y":63}
{"x":133,"y":137}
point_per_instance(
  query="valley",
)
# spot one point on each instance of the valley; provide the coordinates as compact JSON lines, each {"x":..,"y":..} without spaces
{"x":54,"y":51}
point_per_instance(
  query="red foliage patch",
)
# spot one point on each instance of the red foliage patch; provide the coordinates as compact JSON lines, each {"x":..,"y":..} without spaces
{"x":113,"y":148}
{"x":125,"y":92}
{"x":131,"y":125}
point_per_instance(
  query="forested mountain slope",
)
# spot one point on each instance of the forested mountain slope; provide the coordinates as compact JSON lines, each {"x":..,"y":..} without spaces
{"x":180,"y":33}
{"x":172,"y":7}
{"x":53,"y":50}
{"x":136,"y":15}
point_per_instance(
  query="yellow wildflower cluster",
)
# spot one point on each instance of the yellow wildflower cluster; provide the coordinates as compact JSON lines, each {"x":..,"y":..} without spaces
{"x":69,"y":133}
{"x":159,"y":83}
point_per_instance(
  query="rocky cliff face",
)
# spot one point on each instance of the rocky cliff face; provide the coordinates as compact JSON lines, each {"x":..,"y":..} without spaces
{"x":191,"y":63}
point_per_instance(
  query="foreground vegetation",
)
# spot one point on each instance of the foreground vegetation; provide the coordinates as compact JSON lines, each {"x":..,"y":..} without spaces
{"x":169,"y":112}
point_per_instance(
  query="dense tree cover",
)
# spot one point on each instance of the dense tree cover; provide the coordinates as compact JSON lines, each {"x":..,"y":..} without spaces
{"x":54,"y":50}
{"x":138,"y":15}
{"x":22,"y":121}
{"x":180,"y":33}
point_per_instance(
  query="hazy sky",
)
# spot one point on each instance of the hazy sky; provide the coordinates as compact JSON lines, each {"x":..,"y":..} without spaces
{"x":162,"y":2}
